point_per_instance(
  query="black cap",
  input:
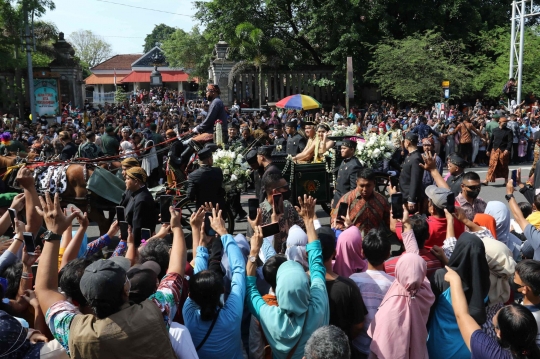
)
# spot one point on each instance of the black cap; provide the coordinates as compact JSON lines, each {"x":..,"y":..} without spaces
{"x":104,"y":277}
{"x":308,"y":123}
{"x":266,"y":150}
{"x":411,"y":136}
{"x":143,"y":279}
{"x":251,"y":156}
{"x":349,"y":143}
{"x":458,"y":161}
{"x":291,"y":124}
{"x":205,"y":153}
{"x":278,"y":126}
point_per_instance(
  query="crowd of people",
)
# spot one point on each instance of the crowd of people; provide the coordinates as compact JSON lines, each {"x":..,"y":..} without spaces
{"x":444,"y":274}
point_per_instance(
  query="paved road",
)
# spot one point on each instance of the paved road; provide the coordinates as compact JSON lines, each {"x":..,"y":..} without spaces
{"x":493,"y":192}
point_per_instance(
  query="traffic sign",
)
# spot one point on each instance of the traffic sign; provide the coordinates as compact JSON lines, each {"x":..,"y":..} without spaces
{"x":446,"y":84}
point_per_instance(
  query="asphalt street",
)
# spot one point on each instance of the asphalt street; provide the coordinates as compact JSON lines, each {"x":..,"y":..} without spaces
{"x":493,"y":192}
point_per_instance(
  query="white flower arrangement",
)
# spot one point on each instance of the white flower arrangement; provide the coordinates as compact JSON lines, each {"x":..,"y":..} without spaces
{"x":236,"y":172}
{"x":374,"y":149}
{"x":340,"y":130}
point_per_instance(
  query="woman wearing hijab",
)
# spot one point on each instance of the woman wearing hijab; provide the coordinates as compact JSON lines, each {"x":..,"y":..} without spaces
{"x":399,"y":327}
{"x":500,"y":212}
{"x":349,"y":258}
{"x":487,"y":222}
{"x":303,"y":306}
{"x":469,"y":261}
{"x":296,"y":246}
{"x":501,"y":268}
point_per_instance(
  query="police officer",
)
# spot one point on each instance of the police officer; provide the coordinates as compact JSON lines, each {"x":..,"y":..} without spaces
{"x":265,"y":168}
{"x":346,"y":174}
{"x":279,"y":140}
{"x":205,"y":183}
{"x":295,"y":142}
{"x":410,"y":179}
{"x":456,"y":168}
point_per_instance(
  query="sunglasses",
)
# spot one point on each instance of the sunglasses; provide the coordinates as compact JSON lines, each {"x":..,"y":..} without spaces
{"x":473,"y":187}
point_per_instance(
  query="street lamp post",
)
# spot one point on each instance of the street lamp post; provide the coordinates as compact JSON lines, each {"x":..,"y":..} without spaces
{"x":221,"y":50}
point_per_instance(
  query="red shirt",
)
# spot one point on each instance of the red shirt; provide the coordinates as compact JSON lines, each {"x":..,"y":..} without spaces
{"x":437,"y":231}
{"x":432,"y":263}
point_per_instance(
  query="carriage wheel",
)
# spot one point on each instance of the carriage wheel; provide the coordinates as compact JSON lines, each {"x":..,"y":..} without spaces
{"x":188,"y":208}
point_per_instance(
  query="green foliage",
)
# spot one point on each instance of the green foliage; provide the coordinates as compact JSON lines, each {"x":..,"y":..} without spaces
{"x":492,"y":62}
{"x":189,"y":50}
{"x":120,"y":95}
{"x":160,"y":34}
{"x":412,"y":69}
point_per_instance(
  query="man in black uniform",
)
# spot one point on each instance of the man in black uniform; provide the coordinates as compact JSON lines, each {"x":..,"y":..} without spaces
{"x":456,"y":167}
{"x":265,"y":167}
{"x":205,"y":183}
{"x":279,"y":140}
{"x":346,"y":174}
{"x":70,"y":149}
{"x":410,"y":179}
{"x":295,"y":142}
{"x":233,"y":138}
{"x":140,"y":210}
{"x":247,"y":139}
{"x":174,"y":174}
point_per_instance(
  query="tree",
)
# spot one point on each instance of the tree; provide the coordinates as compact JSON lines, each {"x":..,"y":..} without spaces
{"x":90,"y":48}
{"x":412,"y":69}
{"x":189,"y":50}
{"x":253,"y":45}
{"x":491,"y":62}
{"x":120,"y":95}
{"x":160,"y":34}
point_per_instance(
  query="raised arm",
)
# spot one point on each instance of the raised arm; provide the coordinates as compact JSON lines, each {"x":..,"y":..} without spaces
{"x":17,"y":204}
{"x":72,"y":248}
{"x":47,"y":275}
{"x":33,"y":219}
{"x":178,"y":257}
{"x":467,"y":325}
{"x":430,"y":165}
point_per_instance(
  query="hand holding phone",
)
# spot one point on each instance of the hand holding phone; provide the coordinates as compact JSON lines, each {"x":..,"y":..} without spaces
{"x":12,"y":216}
{"x":450,"y":202}
{"x":514,"y":178}
{"x":278,"y":204}
{"x":343,"y":208}
{"x":124,"y":230}
{"x":120,"y":214}
{"x":208,"y":230}
{"x":253,"y":204}
{"x":29,"y":243}
{"x":397,"y":205}
{"x":165,"y":202}
{"x":270,"y":229}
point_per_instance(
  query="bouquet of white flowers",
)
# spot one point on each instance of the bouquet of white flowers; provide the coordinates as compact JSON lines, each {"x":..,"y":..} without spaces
{"x":236,"y":171}
{"x":374,"y":149}
{"x":340,"y":130}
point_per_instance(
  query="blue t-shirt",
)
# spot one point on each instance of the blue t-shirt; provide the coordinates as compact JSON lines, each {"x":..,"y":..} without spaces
{"x":485,"y":347}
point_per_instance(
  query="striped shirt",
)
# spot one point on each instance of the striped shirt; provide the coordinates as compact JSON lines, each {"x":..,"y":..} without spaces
{"x":373,"y":285}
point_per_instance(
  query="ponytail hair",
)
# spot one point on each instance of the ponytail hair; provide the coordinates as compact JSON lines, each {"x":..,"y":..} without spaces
{"x":518,"y":331}
{"x":205,"y":289}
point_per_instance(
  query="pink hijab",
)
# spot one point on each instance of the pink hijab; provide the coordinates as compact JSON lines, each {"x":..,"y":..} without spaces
{"x":349,"y":258}
{"x":403,"y":313}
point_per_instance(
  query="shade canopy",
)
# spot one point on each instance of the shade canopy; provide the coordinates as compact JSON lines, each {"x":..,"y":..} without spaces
{"x":298,"y":102}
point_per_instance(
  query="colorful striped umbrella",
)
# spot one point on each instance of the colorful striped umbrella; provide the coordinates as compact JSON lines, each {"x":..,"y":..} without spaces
{"x":298,"y":102}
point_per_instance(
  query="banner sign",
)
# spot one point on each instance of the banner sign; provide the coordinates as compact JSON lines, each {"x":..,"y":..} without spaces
{"x":46,"y":97}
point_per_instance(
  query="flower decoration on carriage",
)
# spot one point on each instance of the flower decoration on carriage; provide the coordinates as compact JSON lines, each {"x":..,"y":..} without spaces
{"x":236,"y":171}
{"x":341,"y":130}
{"x":374,"y":149}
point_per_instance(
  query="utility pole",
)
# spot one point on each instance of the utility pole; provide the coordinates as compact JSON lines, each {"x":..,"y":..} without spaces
{"x":30,"y":84}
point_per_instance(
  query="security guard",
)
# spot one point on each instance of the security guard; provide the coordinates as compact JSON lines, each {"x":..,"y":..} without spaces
{"x":456,"y":167}
{"x":279,"y":140}
{"x":346,"y":174}
{"x":410,"y":179}
{"x":295,"y":142}
{"x":265,"y":168}
{"x":205,"y":183}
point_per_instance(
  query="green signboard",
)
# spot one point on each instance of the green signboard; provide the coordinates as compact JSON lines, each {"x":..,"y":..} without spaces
{"x":46,"y":97}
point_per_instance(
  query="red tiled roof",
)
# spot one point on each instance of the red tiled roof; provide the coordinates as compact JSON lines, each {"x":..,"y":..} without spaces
{"x":103,"y":79}
{"x":118,"y":62}
{"x":166,"y":76}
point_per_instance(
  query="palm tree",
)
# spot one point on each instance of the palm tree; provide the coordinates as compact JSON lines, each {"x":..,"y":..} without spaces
{"x":253,"y":46}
